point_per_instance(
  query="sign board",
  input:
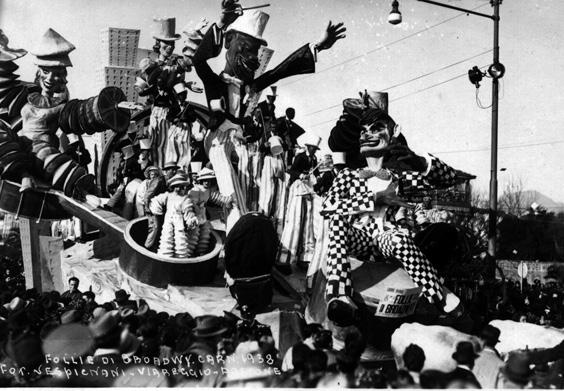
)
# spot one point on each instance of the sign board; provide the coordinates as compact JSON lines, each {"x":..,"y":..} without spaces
{"x":397,"y":303}
{"x":522,"y":270}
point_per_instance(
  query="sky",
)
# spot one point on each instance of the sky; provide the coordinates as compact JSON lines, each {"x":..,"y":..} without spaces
{"x":422,"y":63}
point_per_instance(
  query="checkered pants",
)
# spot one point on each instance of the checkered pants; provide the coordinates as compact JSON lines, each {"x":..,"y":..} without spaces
{"x":345,"y":240}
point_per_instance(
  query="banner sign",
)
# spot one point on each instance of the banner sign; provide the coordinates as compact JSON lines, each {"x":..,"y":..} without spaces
{"x":397,"y":303}
{"x":535,"y":270}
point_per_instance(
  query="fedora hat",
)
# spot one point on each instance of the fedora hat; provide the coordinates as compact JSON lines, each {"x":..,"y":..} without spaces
{"x":121,"y":296}
{"x":103,"y":325}
{"x":206,"y":173}
{"x":209,"y":326}
{"x":72,"y":316}
{"x":69,"y":340}
{"x":490,"y":333}
{"x":464,"y":352}
{"x":7,"y":53}
{"x":165,"y":29}
{"x":52,"y":50}
{"x":15,"y":304}
{"x":178,"y":180}
{"x":251,"y":23}
{"x":517,"y":368}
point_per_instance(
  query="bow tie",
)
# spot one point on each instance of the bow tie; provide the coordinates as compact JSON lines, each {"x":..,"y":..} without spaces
{"x":382,"y":173}
{"x":231,"y":79}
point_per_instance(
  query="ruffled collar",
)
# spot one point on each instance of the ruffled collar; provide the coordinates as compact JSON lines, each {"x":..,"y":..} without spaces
{"x":40,"y":101}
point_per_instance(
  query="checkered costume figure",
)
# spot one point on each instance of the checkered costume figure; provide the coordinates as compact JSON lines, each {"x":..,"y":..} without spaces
{"x":361,"y":227}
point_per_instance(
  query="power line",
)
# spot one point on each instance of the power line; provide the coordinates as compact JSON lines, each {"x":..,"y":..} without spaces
{"x":378,"y":48}
{"x":503,"y":147}
{"x":411,"y":80}
{"x":408,"y":95}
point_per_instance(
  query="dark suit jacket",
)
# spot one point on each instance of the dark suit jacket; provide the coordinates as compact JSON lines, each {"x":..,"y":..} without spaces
{"x":289,"y":130}
{"x":300,"y":62}
{"x":464,"y":374}
{"x":302,"y":165}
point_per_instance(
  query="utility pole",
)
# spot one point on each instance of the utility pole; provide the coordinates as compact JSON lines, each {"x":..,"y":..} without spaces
{"x":496,"y":72}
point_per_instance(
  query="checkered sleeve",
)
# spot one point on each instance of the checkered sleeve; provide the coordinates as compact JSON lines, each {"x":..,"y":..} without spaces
{"x":439,"y":175}
{"x":347,"y":196}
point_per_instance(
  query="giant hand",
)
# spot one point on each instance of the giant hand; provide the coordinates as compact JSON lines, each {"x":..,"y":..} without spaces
{"x":333,"y":33}
{"x":230,"y":11}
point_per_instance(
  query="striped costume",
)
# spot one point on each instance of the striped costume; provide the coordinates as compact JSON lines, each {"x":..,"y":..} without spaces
{"x":359,"y":226}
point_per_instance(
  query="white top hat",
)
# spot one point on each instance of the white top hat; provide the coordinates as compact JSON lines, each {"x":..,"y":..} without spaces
{"x":339,"y":157}
{"x":195,"y":166}
{"x":310,"y":139}
{"x":252,"y":23}
{"x":145,"y":143}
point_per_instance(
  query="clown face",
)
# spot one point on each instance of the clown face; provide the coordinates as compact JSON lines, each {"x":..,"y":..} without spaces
{"x":242,"y":56}
{"x":52,"y":79}
{"x":375,"y":138}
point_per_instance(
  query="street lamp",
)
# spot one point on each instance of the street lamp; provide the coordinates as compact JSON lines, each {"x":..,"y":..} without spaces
{"x":496,"y":72}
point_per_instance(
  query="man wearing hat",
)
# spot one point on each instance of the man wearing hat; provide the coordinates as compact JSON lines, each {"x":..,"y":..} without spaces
{"x":516,"y":373}
{"x":297,"y":243}
{"x":179,"y":218}
{"x":289,"y":131}
{"x":464,"y":357}
{"x":225,"y":93}
{"x":488,"y":364}
{"x":35,"y":153}
{"x":361,"y":207}
{"x":128,"y":170}
{"x":154,"y":184}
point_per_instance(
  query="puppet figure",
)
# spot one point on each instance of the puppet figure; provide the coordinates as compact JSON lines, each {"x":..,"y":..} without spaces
{"x":361,"y":206}
{"x":164,"y":81}
{"x":45,"y":108}
{"x":179,"y":218}
{"x":226,"y":92}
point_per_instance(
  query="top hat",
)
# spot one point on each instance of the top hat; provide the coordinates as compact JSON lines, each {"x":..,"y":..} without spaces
{"x":70,"y":340}
{"x":103,"y":325}
{"x":52,"y":50}
{"x":251,"y":23}
{"x":310,"y":139}
{"x":121,"y":296}
{"x":7,"y":53}
{"x":490,"y":333}
{"x":367,"y":100}
{"x":273,"y":89}
{"x":145,"y":144}
{"x":209,"y":326}
{"x":206,"y":173}
{"x":517,"y":367}
{"x":339,"y":157}
{"x":128,"y":152}
{"x":464,"y":352}
{"x":165,"y":29}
